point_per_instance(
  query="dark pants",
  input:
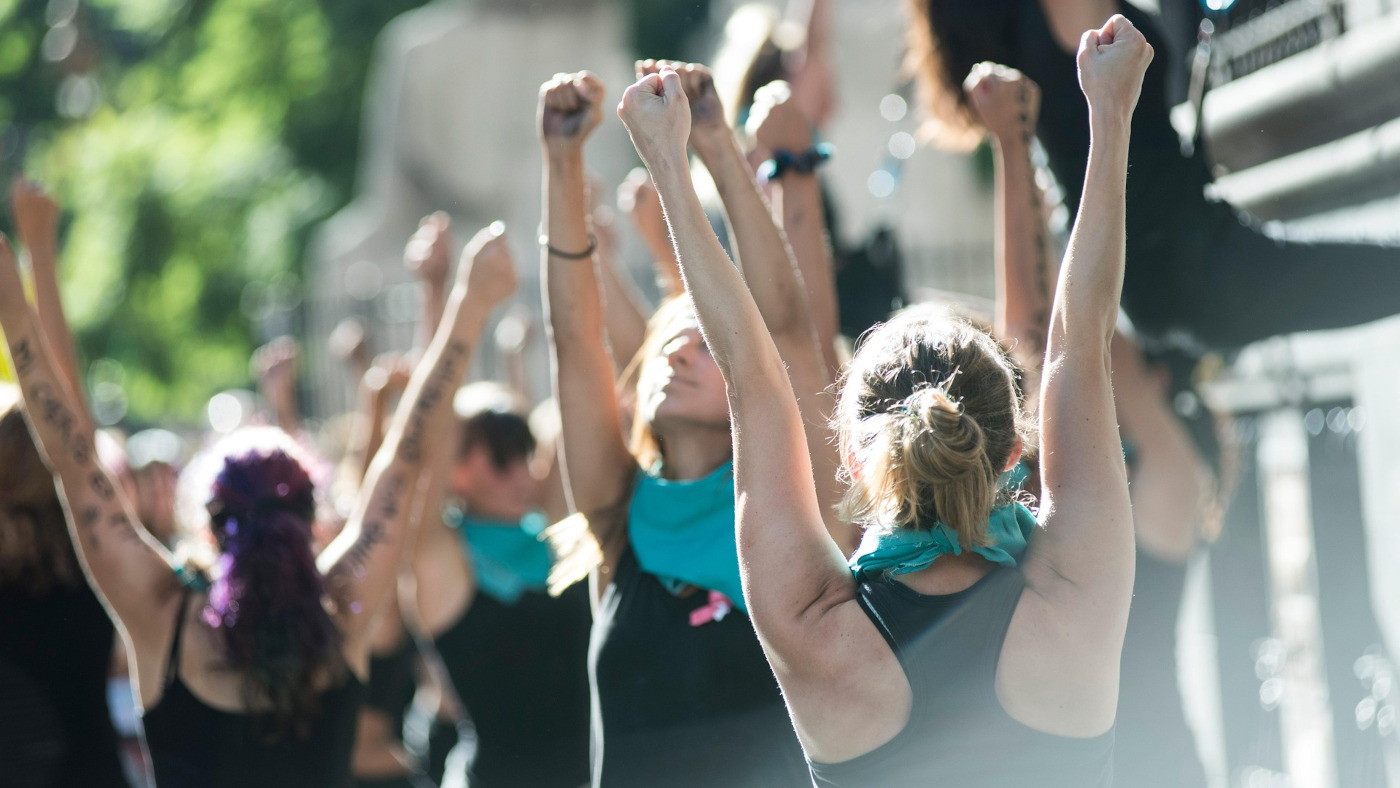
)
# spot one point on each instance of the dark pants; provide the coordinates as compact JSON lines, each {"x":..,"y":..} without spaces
{"x":1216,"y":279}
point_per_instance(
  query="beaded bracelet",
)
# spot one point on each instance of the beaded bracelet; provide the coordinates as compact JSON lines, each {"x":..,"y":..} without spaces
{"x":804,"y":163}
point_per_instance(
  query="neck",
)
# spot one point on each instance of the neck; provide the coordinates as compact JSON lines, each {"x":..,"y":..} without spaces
{"x":694,"y":452}
{"x":949,"y":574}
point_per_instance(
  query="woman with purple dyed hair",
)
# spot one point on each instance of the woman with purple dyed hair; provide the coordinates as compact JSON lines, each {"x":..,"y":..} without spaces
{"x":250,"y":672}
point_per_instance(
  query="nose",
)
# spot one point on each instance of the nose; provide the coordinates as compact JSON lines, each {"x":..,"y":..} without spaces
{"x":680,"y":351}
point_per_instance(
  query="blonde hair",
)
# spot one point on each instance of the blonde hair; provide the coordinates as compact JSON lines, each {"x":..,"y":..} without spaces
{"x":928,"y":415}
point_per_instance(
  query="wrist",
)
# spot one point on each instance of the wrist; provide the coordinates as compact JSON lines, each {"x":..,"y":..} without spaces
{"x":564,"y":156}
{"x":1110,"y":119}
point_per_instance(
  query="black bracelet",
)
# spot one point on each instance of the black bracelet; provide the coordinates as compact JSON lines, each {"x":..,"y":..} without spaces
{"x":563,"y":255}
{"x":784,"y":161}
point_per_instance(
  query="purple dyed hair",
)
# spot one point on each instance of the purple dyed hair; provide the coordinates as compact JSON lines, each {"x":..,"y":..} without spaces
{"x":266,"y":597}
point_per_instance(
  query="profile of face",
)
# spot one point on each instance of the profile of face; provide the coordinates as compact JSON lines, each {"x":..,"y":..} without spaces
{"x":494,"y":492}
{"x":681,"y":384}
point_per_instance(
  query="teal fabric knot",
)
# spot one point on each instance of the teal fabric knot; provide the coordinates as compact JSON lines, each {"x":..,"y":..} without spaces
{"x":682,"y":532}
{"x":509,"y":558}
{"x":897,"y":551}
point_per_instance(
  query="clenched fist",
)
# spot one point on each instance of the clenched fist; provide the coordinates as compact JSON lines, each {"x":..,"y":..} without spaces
{"x":1112,"y":61}
{"x":1006,"y":101}
{"x":570,"y":109}
{"x":488,"y":267}
{"x":657,"y":116}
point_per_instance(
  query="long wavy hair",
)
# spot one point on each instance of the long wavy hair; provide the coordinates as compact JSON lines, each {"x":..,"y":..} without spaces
{"x":945,"y":39}
{"x":35,"y":551}
{"x":266,"y":597}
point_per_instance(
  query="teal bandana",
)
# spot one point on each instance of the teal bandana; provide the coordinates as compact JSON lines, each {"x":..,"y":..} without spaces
{"x":885,"y":551}
{"x":683,"y":532}
{"x":508,"y":558}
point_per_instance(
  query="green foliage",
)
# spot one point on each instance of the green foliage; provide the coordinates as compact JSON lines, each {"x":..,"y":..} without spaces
{"x":224,"y":131}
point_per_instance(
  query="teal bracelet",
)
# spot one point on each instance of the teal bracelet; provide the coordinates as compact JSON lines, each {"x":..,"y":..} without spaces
{"x":804,"y":163}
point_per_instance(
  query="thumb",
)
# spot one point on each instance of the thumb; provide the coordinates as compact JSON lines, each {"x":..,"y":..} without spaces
{"x":1089,"y":42}
{"x":671,"y":84}
{"x":650,"y":85}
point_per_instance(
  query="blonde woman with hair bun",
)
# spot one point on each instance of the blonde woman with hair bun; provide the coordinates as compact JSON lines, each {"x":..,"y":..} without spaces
{"x":949,"y":651}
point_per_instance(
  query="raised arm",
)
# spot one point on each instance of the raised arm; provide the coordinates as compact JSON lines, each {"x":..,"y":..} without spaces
{"x":1082,"y":564}
{"x":772,"y":276}
{"x":637,"y":198}
{"x":777,"y":124}
{"x":1008,"y":103}
{"x":128,"y":568}
{"x":36,"y":220}
{"x":363,"y":562}
{"x":598,"y":468}
{"x":788,"y":561}
{"x":274,"y":366}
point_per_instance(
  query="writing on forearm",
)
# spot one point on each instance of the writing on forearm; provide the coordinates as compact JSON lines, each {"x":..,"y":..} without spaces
{"x":24,"y":357}
{"x":1040,"y":313}
{"x":87,"y":527}
{"x":440,"y":384}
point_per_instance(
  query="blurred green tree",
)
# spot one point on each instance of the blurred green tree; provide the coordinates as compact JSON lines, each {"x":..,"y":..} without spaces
{"x":194,"y":143}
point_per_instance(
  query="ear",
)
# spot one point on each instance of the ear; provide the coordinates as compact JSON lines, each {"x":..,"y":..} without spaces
{"x":1016,"y":451}
{"x":853,"y":466}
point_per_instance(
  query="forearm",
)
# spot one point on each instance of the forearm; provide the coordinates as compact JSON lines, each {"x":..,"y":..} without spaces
{"x":799,"y":203}
{"x":434,"y":302}
{"x":1024,"y":271}
{"x":762,"y":250}
{"x":625,"y":324}
{"x":44,"y":264}
{"x":1085,"y":309}
{"x":121,"y":559}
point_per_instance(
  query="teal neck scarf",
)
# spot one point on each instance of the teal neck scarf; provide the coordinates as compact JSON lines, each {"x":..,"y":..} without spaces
{"x":897,"y":551}
{"x":508,"y":558}
{"x":683,"y":532}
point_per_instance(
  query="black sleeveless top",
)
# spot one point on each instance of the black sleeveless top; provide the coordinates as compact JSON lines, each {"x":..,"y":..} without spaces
{"x":958,"y":734}
{"x":680,"y":705}
{"x":392,"y":683}
{"x":193,"y":745}
{"x":521,"y":672}
{"x":56,"y":652}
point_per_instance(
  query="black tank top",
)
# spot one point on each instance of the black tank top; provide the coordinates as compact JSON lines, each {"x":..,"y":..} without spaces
{"x":958,"y":734}
{"x":680,"y":705}
{"x":521,"y":672}
{"x":193,"y":745}
{"x":57,"y":652}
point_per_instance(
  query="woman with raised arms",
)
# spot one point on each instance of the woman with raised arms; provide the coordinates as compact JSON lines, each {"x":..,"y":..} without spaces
{"x":682,"y":695}
{"x":250,"y":673}
{"x":948,"y":652}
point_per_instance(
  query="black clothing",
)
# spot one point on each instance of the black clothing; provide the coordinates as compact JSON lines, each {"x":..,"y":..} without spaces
{"x":193,"y":745}
{"x":521,"y":673}
{"x":57,"y":651}
{"x":407,"y":781}
{"x":392,"y":683}
{"x":1154,"y":747}
{"x":681,"y":705}
{"x":958,"y":733}
{"x":1194,"y":265}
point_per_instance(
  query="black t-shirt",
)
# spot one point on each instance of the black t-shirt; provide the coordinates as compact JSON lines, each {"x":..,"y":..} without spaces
{"x":57,"y":651}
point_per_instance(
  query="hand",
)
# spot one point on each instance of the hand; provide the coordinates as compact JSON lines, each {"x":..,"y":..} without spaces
{"x":776,"y":122}
{"x":657,"y":116}
{"x":35,"y":213}
{"x":275,"y":367}
{"x":706,"y":111}
{"x":349,"y":342}
{"x":429,"y":251}
{"x":389,"y":374}
{"x":487,"y":269}
{"x":570,"y":109}
{"x":1006,"y":101}
{"x":1112,"y":61}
